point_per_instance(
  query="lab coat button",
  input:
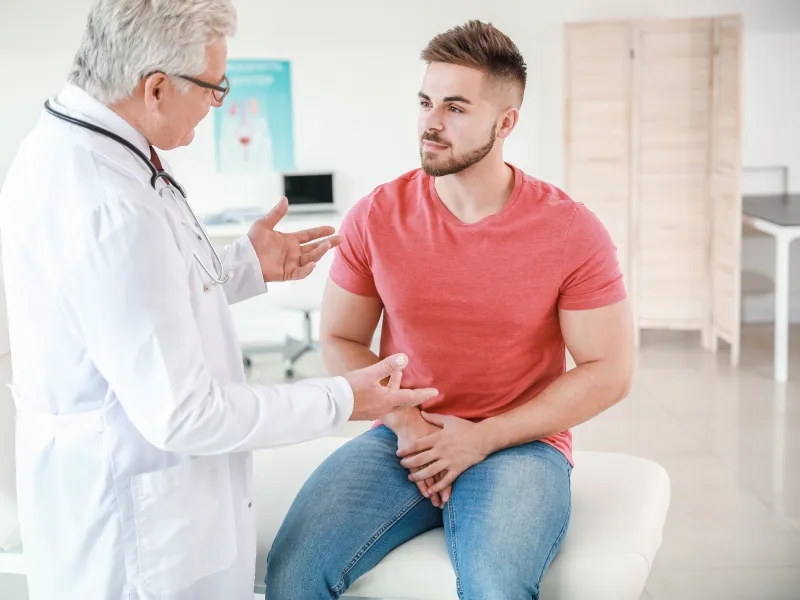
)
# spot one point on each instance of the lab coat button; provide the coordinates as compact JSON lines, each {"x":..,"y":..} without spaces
{"x":249,"y":505}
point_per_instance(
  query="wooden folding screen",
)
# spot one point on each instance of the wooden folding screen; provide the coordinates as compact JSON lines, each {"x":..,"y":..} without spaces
{"x":652,"y":145}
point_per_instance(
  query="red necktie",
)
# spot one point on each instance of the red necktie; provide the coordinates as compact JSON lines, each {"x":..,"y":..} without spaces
{"x":155,"y":160}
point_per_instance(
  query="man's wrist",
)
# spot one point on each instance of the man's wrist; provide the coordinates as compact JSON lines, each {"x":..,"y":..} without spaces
{"x":398,"y":419}
{"x":492,"y":435}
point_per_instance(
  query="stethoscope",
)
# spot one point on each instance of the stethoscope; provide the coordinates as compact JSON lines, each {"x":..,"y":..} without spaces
{"x":219,"y":276}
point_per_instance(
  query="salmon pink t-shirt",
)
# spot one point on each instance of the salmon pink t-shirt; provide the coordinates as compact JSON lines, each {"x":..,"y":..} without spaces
{"x":475,"y":306}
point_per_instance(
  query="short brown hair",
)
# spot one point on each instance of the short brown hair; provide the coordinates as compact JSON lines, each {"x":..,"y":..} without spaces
{"x":480,"y":46}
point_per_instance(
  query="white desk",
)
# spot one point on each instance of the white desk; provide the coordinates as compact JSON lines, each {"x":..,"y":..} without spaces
{"x":235,"y":223}
{"x":778,"y":216}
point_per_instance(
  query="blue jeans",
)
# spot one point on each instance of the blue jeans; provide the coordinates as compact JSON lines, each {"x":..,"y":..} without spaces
{"x":504,"y":523}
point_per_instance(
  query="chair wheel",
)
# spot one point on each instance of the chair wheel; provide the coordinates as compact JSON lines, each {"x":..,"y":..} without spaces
{"x":289,"y":373}
{"x":247,"y":362}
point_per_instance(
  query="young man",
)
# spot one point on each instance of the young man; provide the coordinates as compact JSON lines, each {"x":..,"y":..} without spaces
{"x":484,"y":275}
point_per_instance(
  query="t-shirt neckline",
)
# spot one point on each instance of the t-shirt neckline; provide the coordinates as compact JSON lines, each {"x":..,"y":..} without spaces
{"x":450,"y":217}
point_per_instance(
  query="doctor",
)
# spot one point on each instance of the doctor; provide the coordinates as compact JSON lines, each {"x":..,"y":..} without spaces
{"x":135,"y":423}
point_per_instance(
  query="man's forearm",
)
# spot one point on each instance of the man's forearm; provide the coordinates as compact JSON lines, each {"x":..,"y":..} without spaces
{"x":575,"y":397}
{"x":342,"y":356}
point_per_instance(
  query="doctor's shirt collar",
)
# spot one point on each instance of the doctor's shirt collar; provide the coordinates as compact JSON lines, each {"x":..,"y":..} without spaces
{"x":76,"y":99}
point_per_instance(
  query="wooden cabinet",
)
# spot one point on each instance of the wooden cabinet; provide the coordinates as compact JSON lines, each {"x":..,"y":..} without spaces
{"x":652,"y":146}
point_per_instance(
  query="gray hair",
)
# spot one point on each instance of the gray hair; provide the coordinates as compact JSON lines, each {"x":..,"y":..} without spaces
{"x":126,"y":40}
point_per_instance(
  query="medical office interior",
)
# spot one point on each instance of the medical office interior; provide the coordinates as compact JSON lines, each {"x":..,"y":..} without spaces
{"x":677,"y":122}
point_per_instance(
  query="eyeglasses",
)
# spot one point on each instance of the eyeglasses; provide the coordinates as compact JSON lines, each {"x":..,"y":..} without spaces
{"x":218,"y":91}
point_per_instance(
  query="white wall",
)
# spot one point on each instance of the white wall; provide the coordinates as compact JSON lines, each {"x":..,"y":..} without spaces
{"x":356,"y":73}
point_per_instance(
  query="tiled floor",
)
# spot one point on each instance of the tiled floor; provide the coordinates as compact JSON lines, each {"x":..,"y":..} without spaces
{"x":730,"y":439}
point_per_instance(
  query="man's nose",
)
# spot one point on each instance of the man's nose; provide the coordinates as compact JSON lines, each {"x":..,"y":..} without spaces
{"x":433,"y":121}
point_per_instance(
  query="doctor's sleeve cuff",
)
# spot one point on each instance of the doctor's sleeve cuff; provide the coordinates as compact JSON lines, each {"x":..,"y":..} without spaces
{"x":343,"y":396}
{"x":241,"y":262}
{"x":298,"y":412}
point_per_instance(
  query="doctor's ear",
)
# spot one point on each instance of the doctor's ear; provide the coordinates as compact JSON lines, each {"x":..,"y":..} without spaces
{"x":154,"y":87}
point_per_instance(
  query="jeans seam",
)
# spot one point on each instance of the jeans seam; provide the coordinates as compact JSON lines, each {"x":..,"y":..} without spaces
{"x":339,"y":588}
{"x":556,"y":543}
{"x":451,"y":513}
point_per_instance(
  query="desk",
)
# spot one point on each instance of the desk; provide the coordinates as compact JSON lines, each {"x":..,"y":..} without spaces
{"x":235,"y":223}
{"x":778,"y":216}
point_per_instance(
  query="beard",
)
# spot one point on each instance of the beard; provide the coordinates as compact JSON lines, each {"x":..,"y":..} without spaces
{"x":441,"y":167}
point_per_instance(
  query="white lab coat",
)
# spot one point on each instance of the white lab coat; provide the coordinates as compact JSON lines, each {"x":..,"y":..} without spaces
{"x":135,"y":423}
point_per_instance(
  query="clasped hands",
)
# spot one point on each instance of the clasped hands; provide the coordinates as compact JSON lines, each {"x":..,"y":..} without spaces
{"x":436,"y":460}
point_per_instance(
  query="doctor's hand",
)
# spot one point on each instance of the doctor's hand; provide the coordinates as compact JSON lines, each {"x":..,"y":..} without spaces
{"x":446,"y":454}
{"x":288,"y":256}
{"x":371,"y":399}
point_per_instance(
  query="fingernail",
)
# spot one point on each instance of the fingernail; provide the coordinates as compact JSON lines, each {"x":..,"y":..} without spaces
{"x":401,"y":360}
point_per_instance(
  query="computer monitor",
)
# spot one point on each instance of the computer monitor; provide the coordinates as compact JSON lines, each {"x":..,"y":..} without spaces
{"x":309,"y":192}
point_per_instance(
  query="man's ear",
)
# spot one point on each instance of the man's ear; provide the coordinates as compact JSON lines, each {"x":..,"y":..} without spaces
{"x":507,"y":122}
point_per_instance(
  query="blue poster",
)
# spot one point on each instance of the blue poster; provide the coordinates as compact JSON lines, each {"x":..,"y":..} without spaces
{"x":253,"y":129}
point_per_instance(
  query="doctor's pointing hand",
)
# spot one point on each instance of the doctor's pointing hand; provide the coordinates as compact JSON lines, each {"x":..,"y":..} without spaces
{"x":135,"y":421}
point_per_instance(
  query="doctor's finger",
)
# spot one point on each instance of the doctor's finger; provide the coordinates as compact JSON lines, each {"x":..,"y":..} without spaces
{"x":303,"y":272}
{"x":334,"y":241}
{"x":309,"y":235}
{"x":316,"y":254}
{"x":279,"y":211}
{"x":404,"y":398}
{"x":394,"y":380}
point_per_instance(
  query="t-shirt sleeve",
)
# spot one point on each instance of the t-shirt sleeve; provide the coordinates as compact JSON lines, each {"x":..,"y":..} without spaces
{"x":591,"y":276}
{"x":351,"y":268}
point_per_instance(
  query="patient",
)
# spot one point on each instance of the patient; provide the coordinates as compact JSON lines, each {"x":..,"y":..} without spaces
{"x":483,"y":275}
